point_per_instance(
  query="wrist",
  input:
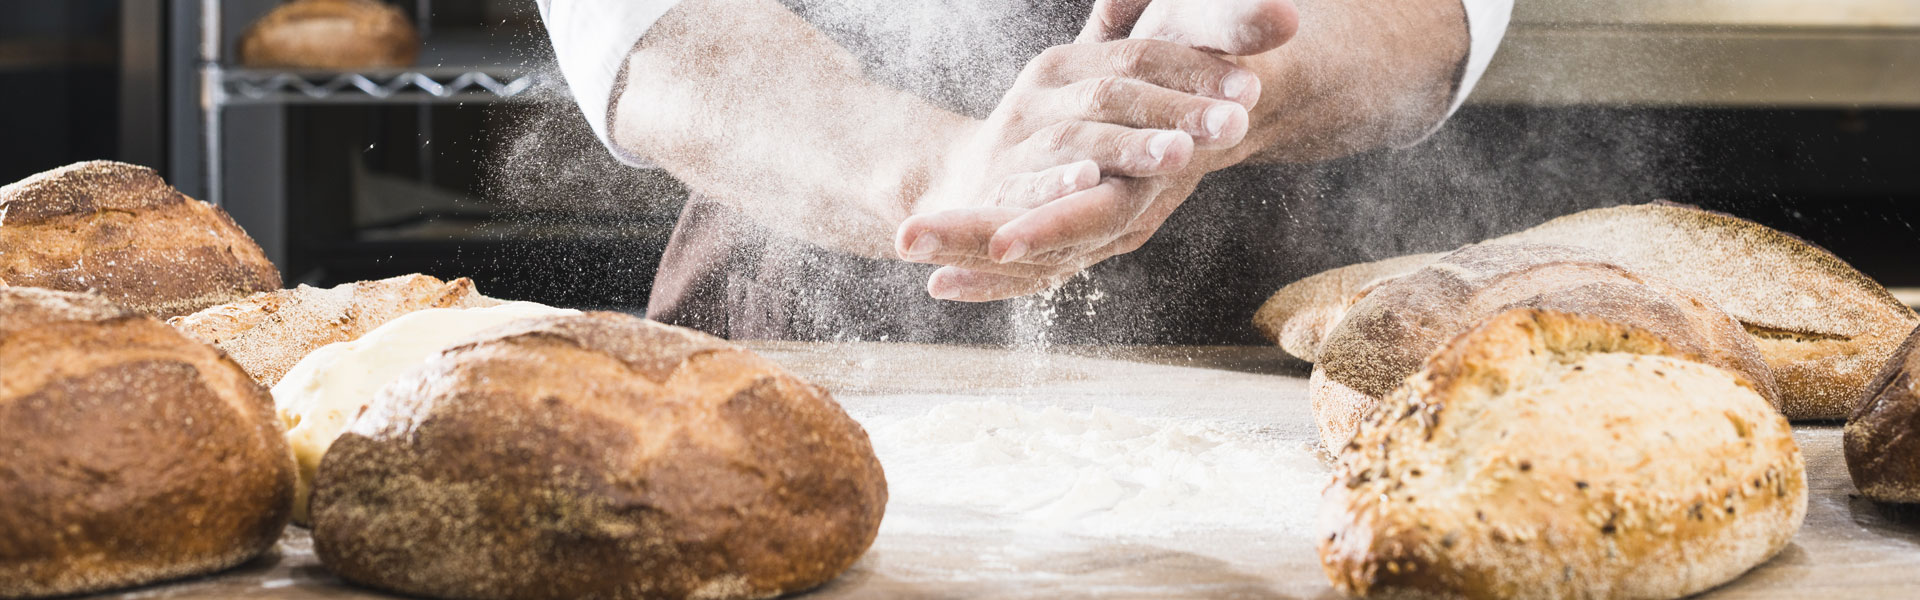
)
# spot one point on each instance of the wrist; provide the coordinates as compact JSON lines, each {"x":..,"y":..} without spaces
{"x":931,"y":171}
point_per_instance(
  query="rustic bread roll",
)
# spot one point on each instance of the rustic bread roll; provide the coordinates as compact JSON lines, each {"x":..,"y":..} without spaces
{"x":120,"y":231}
{"x":1389,"y":333}
{"x":1300,"y":316}
{"x":601,"y":456}
{"x":1882,"y":439}
{"x":268,"y":332}
{"x":332,"y":386}
{"x":130,"y":454}
{"x":1544,"y":454}
{"x":331,"y":34}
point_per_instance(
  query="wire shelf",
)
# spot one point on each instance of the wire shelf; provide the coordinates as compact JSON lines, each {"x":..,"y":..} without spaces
{"x":257,"y":86}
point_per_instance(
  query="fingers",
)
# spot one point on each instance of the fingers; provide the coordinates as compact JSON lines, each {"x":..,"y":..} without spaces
{"x":1092,"y":217}
{"x":1111,"y":20}
{"x":1027,"y":190}
{"x":1213,"y":124}
{"x":1165,"y":64}
{"x":1235,"y":27}
{"x":964,"y":285}
{"x":1117,"y":150}
{"x":949,"y":232}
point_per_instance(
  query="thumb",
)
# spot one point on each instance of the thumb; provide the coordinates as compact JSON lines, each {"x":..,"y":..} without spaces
{"x":1234,"y":27}
{"x":1111,"y":20}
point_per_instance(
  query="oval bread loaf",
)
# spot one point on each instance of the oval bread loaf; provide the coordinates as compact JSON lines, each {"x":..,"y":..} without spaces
{"x":331,"y":34}
{"x":1882,"y":440}
{"x":1548,"y":455}
{"x":120,"y":231}
{"x":130,"y":454}
{"x":601,"y":456}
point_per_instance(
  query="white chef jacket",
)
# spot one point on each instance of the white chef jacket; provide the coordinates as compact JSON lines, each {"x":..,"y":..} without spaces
{"x":592,"y":38}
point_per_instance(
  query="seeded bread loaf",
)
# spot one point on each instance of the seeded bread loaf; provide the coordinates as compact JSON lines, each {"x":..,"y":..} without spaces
{"x":120,"y":231}
{"x":1882,"y":440}
{"x":267,"y":333}
{"x":1548,"y":455}
{"x":1389,"y":333}
{"x":130,"y":454}
{"x":597,"y":456}
{"x":331,"y":34}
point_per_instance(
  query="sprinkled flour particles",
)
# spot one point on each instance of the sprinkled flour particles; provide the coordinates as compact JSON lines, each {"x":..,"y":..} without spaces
{"x":995,"y":464}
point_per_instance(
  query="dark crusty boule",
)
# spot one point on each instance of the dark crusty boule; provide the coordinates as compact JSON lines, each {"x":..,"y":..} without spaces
{"x":128,"y":453}
{"x":597,"y":456}
{"x":120,"y":231}
{"x":1883,"y":438}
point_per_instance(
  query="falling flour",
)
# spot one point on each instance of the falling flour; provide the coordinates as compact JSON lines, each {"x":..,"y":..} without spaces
{"x":994,"y":464}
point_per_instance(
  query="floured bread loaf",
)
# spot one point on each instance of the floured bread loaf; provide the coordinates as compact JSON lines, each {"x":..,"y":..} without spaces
{"x":331,"y":34}
{"x":597,"y":456}
{"x":268,"y":332}
{"x":1300,"y":316}
{"x":120,"y":231}
{"x":333,"y":385}
{"x":1821,"y":326}
{"x":129,"y":454}
{"x":1548,"y":455}
{"x":1883,"y":438}
{"x":1389,"y":333}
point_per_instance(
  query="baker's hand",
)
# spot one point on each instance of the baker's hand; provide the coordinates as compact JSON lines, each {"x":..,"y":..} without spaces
{"x":1087,"y":211}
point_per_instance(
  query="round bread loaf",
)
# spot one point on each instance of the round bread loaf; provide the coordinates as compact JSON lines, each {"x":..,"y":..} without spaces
{"x":1882,"y":438}
{"x":331,"y":34}
{"x":597,"y":456}
{"x":120,"y":231}
{"x":130,"y":453}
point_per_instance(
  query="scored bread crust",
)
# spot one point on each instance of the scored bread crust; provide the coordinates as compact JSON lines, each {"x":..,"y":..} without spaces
{"x":132,"y":453}
{"x":331,"y":34}
{"x":269,"y":332}
{"x":1389,"y":333}
{"x":1546,"y":454}
{"x":1299,"y":316}
{"x":597,"y":455}
{"x":1882,"y":439}
{"x":120,"y":231}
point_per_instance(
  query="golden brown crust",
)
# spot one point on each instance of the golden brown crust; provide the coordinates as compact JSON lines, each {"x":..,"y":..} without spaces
{"x":1544,"y":454}
{"x":269,"y":332}
{"x":331,"y":34}
{"x":1300,"y":315}
{"x":1882,"y":439}
{"x":120,"y":231}
{"x":133,"y":454}
{"x":598,"y":455}
{"x":1389,"y":333}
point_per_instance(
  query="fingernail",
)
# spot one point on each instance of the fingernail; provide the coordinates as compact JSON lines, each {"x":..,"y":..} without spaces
{"x":1236,"y":84}
{"x":940,"y":292}
{"x":1157,"y":147}
{"x":924,"y":246}
{"x":1076,"y":174}
{"x":1015,"y":251}
{"x":1217,"y":118}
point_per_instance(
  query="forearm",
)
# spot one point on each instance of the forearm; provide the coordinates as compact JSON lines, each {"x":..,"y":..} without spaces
{"x":1360,"y":74}
{"x":748,"y":104}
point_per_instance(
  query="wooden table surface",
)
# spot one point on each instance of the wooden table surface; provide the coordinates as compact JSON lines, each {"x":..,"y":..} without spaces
{"x":1849,"y":547}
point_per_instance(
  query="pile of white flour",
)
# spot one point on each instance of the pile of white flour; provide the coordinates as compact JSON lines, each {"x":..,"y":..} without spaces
{"x":995,"y":464}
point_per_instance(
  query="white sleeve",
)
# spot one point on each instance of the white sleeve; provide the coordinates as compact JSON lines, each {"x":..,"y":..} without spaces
{"x":591,"y":40}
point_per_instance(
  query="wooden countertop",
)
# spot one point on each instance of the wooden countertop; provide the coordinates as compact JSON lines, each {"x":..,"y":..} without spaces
{"x":1849,"y":547}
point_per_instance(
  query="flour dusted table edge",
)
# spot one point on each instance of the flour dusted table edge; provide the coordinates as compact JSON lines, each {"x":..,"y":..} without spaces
{"x":1849,"y":548}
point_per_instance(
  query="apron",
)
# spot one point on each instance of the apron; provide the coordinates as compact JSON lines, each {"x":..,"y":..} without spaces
{"x":1245,"y":232}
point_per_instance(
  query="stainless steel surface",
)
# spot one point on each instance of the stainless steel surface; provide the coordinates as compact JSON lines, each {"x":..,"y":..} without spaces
{"x":1850,"y":547}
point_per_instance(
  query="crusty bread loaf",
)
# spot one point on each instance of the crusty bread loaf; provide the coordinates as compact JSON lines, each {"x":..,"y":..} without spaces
{"x":1389,"y":333}
{"x":1548,"y":455}
{"x":1882,"y":439}
{"x":119,"y":230}
{"x":331,"y":34}
{"x":597,"y":455}
{"x":130,"y":453}
{"x":1821,"y":326}
{"x":267,"y":333}
{"x":1299,"y":316}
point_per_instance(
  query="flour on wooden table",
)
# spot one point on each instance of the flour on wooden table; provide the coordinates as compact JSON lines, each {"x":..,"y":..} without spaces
{"x":995,"y":464}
